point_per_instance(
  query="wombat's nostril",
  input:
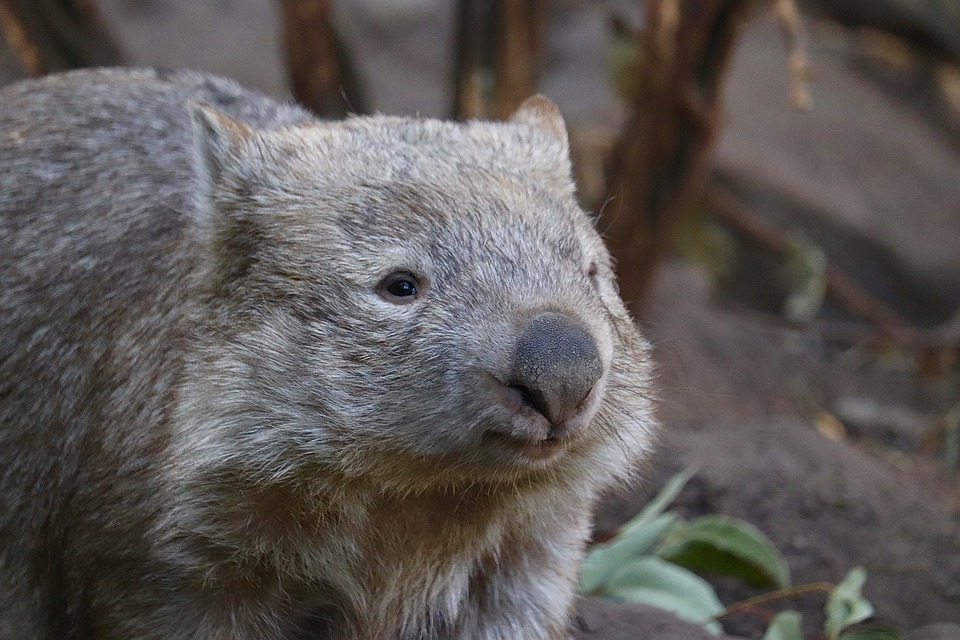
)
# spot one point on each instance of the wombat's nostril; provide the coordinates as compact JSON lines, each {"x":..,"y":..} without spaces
{"x":530,"y":397}
{"x":556,"y":365}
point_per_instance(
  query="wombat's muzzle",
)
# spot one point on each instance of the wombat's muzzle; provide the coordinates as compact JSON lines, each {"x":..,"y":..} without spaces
{"x":556,"y":364}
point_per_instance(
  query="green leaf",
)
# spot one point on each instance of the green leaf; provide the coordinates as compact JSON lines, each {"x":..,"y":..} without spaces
{"x":729,"y":546}
{"x":784,"y":626}
{"x":805,"y":271}
{"x":846,"y":606}
{"x":658,"y":583}
{"x":604,"y":560}
{"x":637,"y":537}
{"x":660,"y":502}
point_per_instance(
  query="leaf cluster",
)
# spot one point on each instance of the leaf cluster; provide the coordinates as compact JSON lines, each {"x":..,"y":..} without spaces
{"x":655,"y":558}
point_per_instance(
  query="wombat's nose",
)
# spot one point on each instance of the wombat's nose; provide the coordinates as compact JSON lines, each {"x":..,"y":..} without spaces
{"x":555,"y":365}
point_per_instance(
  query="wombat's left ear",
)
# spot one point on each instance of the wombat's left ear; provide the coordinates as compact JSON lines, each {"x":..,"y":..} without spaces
{"x":541,"y":112}
{"x":216,"y":138}
{"x":218,"y":143}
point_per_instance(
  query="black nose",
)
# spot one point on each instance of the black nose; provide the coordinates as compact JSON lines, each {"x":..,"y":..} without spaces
{"x":555,"y":365}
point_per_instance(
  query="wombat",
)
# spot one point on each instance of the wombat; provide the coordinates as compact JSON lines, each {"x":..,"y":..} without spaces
{"x":264,"y":376}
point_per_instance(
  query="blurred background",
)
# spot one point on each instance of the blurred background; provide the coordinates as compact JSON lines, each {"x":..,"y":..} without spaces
{"x":780,"y":184}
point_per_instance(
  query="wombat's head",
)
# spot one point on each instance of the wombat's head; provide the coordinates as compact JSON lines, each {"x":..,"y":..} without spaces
{"x":411,"y":302}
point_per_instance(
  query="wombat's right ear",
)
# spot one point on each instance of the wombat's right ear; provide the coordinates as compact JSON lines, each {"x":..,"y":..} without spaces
{"x":216,"y":136}
{"x":541,"y":112}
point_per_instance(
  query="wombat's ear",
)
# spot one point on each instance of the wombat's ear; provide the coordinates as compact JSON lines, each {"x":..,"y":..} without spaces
{"x":215,"y":137}
{"x":217,"y":140}
{"x":541,"y":112}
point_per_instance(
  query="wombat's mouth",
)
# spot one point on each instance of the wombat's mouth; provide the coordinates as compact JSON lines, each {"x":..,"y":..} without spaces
{"x":526,"y":435}
{"x":540,"y":449}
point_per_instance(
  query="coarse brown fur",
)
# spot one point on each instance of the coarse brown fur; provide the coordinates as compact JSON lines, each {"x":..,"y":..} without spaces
{"x":219,"y":421}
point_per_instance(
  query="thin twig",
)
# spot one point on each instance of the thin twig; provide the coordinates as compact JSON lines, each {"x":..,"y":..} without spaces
{"x":798,"y":60}
{"x":839,"y":286}
{"x":772,"y":596}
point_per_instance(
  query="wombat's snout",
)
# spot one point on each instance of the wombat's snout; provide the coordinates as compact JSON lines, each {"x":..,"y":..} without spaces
{"x":556,"y":364}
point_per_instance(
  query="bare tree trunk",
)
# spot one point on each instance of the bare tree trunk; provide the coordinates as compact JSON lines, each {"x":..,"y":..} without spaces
{"x":54,"y":35}
{"x":322,"y":75}
{"x":498,"y":51}
{"x":663,"y":158}
{"x":520,"y":35}
{"x":472,"y":59}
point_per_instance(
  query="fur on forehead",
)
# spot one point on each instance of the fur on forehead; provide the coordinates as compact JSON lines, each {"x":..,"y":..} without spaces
{"x":388,"y":148}
{"x":381,"y":149}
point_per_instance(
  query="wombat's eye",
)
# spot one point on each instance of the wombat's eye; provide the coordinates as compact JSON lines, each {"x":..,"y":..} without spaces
{"x":400,"y":287}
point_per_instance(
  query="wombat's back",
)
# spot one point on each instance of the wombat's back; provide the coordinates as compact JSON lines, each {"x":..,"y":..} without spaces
{"x":97,"y":196}
{"x":97,"y":199}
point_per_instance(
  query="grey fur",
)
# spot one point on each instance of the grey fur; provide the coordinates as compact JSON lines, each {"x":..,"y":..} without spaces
{"x":216,"y":423}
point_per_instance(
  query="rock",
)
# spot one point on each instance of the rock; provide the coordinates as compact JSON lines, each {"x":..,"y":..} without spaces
{"x":599,"y":619}
{"x":943,"y":631}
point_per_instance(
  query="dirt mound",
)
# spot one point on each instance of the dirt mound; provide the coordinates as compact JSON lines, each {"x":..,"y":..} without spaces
{"x":740,"y":400}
